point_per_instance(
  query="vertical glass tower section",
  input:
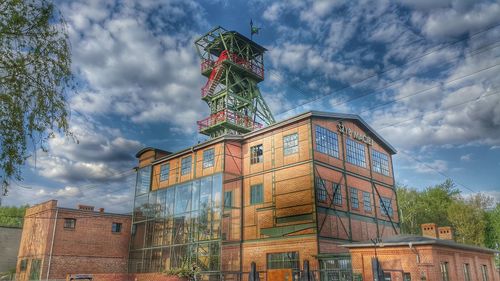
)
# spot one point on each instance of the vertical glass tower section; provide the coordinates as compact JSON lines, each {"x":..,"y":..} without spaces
{"x":177,"y":226}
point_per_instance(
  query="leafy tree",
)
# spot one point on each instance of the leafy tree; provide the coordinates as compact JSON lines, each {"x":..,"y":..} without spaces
{"x":12,"y":216}
{"x":468,"y":221}
{"x":35,"y":74}
{"x":409,"y":209}
{"x":492,"y":235}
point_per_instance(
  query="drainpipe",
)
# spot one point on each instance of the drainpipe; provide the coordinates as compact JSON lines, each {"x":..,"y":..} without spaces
{"x":52,"y":245}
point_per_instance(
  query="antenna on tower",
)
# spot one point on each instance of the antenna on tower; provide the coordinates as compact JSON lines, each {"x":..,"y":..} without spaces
{"x":234,"y":65}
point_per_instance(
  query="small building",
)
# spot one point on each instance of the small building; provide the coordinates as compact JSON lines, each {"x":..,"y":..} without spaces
{"x":433,"y":256}
{"x":10,"y":237}
{"x":59,"y":241}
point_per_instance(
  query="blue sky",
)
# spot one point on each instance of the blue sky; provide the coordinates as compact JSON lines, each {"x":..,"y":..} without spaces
{"x":423,"y":73}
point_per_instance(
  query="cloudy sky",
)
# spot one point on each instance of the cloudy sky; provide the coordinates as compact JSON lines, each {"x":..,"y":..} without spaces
{"x":424,"y":73}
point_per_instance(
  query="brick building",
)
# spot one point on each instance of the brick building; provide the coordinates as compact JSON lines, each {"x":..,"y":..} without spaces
{"x":277,"y":196}
{"x":433,"y":256}
{"x":59,"y":241}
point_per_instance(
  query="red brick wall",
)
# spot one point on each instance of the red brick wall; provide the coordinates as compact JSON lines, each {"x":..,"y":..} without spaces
{"x":403,"y":259}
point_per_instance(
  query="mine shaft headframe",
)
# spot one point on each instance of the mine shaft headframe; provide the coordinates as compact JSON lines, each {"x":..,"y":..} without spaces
{"x":214,"y":42}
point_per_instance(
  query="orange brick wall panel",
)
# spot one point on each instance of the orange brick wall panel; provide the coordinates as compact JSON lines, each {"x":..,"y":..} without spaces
{"x":332,"y":247}
{"x":233,"y":158}
{"x":294,"y":183}
{"x":294,"y":198}
{"x":230,"y":257}
{"x":294,"y":171}
{"x":296,"y":210}
{"x":218,"y":160}
{"x":265,"y":219}
{"x":257,"y":251}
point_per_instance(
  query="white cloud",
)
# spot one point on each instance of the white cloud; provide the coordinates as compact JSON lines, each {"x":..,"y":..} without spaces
{"x":431,"y":167}
{"x":466,"y":157}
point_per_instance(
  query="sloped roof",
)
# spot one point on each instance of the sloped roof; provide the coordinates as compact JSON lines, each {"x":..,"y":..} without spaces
{"x":407,"y":240}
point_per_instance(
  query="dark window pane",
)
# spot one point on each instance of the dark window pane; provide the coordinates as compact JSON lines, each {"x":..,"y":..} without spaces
{"x":327,"y":141}
{"x":355,"y":153}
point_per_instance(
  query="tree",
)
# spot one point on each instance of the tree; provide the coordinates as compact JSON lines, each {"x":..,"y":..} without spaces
{"x":492,"y":235}
{"x":35,"y":74}
{"x":12,"y":216}
{"x":468,"y":221}
{"x":409,"y":208}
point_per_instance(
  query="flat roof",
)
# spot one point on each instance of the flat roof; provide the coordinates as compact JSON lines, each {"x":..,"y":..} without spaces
{"x":407,"y":240}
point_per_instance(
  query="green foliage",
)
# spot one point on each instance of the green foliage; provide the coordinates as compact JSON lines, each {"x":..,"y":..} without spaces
{"x":187,"y":271}
{"x":35,"y":74}
{"x":12,"y":216}
{"x":473,"y":220}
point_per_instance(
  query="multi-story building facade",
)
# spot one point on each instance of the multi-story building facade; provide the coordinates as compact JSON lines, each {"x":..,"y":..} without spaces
{"x":277,"y":196}
{"x":59,"y":241}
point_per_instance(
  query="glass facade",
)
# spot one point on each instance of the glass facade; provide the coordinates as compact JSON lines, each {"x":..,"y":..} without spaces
{"x":178,"y":226}
{"x":355,"y":153}
{"x":380,"y":163}
{"x":327,"y":141}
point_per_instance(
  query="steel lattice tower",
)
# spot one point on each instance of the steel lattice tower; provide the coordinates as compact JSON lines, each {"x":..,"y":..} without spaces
{"x":234,"y":66}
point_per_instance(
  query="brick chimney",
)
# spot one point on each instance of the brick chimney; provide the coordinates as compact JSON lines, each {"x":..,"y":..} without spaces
{"x":445,"y":233}
{"x":101,"y":210}
{"x":429,"y":230}
{"x":85,"y":207}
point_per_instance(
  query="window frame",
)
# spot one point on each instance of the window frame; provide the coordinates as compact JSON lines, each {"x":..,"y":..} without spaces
{"x":445,"y":275}
{"x":282,"y":261}
{"x":259,"y":190}
{"x":290,"y":144}
{"x":466,"y":268}
{"x":69,"y":226}
{"x":337,"y":196}
{"x":367,"y":207}
{"x":255,"y":157}
{"x":388,"y":206}
{"x":484,"y":272}
{"x":321,"y":193}
{"x":116,"y":227}
{"x":380,"y":162}
{"x":228,"y":194}
{"x":327,"y":141}
{"x":186,"y":169}
{"x":208,"y":159}
{"x":354,"y":199}
{"x":353,"y":151}
{"x":164,"y":176}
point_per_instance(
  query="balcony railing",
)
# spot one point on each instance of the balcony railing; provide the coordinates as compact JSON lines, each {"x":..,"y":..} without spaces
{"x":230,"y":117}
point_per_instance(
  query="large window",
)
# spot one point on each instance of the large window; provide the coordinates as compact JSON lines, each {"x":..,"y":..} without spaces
{"x":467,"y":272}
{"x":69,"y":223}
{"x":355,"y":153}
{"x":143,"y":181}
{"x":386,"y":206}
{"x":208,"y":158}
{"x":186,"y":165}
{"x":327,"y":141}
{"x":256,"y":194}
{"x":354,"y":198}
{"x":367,"y":201}
{"x":283,"y":260}
{"x":444,"y":271}
{"x":164,"y":171}
{"x":484,"y":272}
{"x":320,"y":190}
{"x":380,"y":162}
{"x":256,"y":154}
{"x":291,"y":144}
{"x":337,"y":194}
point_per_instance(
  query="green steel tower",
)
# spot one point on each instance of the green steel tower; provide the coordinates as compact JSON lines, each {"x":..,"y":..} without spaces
{"x":234,"y":65}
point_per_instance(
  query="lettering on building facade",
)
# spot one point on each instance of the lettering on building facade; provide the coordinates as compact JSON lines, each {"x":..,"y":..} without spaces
{"x":354,"y":134}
